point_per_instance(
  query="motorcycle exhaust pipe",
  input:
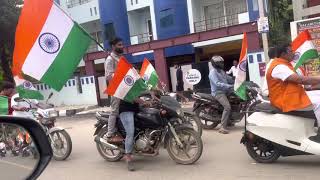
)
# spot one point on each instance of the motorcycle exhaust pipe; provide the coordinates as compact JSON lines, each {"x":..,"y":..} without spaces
{"x":104,"y":142}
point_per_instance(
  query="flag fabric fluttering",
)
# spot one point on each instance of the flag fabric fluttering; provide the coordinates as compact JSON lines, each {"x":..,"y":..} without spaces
{"x":48,"y":43}
{"x":126,"y":83}
{"x":149,"y":74}
{"x":239,"y":87}
{"x":26,"y":89}
{"x":304,"y":49}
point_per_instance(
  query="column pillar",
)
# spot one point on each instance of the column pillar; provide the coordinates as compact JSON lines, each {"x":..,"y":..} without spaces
{"x":161,"y":66}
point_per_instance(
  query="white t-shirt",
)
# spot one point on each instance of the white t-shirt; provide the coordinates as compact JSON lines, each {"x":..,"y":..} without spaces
{"x":22,"y":104}
{"x":233,"y":70}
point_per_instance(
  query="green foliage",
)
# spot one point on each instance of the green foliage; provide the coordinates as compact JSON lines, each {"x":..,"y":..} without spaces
{"x":280,"y":16}
{"x":9,"y":14}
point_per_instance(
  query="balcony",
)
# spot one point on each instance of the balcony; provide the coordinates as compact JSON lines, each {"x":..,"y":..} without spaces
{"x":220,"y":22}
{"x":73,"y":3}
{"x":141,"y":38}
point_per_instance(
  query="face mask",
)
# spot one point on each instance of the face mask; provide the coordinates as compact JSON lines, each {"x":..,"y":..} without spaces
{"x":118,"y":51}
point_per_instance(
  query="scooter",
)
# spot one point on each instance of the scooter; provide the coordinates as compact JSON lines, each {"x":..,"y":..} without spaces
{"x":270,"y":133}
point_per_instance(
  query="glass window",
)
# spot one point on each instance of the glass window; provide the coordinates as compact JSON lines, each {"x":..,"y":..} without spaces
{"x":131,"y":2}
{"x":250,"y":59}
{"x":166,"y":18}
{"x":95,"y":11}
{"x":259,"y":58}
{"x":91,"y":11}
{"x":109,"y":32}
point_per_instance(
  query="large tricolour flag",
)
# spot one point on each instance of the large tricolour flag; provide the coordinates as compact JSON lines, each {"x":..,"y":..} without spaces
{"x":126,"y":83}
{"x":48,"y":44}
{"x":304,"y":49}
{"x":239,"y":87}
{"x":149,"y":74}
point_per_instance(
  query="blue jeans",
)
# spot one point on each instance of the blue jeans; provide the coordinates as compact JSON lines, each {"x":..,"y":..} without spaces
{"x":127,"y":119}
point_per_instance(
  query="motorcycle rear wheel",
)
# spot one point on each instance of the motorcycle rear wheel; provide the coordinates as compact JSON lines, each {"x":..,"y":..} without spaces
{"x":205,"y":123}
{"x":114,"y":156}
{"x":262,"y":150}
{"x":176,"y":152}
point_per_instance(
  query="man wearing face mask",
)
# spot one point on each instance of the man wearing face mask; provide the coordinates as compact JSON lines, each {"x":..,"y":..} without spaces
{"x":110,"y":68}
{"x":221,"y":84}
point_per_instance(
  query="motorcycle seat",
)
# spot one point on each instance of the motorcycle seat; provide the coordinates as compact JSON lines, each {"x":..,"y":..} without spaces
{"x":268,"y":108}
{"x":206,"y":96}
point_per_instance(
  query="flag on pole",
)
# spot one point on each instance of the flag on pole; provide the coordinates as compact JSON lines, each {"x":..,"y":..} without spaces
{"x":26,"y":89}
{"x":149,"y":74}
{"x":4,"y":105}
{"x":239,"y":87}
{"x":304,"y":49}
{"x":126,"y":83}
{"x":48,"y":44}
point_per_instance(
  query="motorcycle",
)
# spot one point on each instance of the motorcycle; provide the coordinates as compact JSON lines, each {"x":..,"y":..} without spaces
{"x":270,"y":133}
{"x":152,"y":128}
{"x":209,"y":110}
{"x":59,"y":138}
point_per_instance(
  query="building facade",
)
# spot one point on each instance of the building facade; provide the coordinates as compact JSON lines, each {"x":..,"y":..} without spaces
{"x":304,"y":9}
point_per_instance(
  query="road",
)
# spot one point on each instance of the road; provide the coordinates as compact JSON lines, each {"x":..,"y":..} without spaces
{"x":223,"y":158}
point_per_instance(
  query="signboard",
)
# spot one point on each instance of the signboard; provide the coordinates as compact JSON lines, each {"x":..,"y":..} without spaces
{"x":262,"y":69}
{"x":313,"y":26}
{"x":193,"y":76}
{"x":263,"y":25}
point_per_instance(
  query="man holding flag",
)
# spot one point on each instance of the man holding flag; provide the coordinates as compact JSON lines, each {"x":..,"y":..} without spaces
{"x":286,"y":89}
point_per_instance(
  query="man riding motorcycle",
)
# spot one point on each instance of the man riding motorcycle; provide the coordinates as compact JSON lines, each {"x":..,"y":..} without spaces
{"x":221,"y":84}
{"x":286,"y":89}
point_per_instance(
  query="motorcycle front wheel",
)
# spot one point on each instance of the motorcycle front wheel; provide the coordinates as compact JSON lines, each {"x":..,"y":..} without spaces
{"x":195,"y":122}
{"x":191,"y":149}
{"x":61,"y":145}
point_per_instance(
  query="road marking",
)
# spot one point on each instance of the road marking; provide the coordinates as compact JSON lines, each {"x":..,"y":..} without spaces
{"x":18,"y":165}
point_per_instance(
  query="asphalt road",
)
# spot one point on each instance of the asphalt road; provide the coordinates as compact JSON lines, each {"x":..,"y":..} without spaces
{"x":223,"y":158}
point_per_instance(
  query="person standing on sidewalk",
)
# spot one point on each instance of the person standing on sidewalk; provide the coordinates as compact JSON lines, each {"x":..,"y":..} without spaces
{"x":110,"y":66}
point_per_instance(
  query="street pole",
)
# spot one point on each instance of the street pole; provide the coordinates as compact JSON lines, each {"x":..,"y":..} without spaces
{"x":264,"y":35}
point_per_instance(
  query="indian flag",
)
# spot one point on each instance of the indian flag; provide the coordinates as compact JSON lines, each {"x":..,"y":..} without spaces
{"x":48,"y":44}
{"x":304,"y":49}
{"x":4,"y":105}
{"x":239,"y":87}
{"x":149,"y":74}
{"x":26,"y":89}
{"x":126,"y":83}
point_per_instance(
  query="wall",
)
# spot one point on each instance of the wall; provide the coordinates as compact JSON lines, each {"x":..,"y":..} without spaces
{"x":254,"y":71}
{"x":69,"y":95}
{"x":82,"y":13}
{"x":133,"y":5}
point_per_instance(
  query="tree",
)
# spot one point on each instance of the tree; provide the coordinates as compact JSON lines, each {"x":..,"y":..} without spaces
{"x":9,"y":15}
{"x":280,"y":16}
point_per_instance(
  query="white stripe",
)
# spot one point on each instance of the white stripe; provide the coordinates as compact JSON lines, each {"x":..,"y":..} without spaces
{"x":307,"y":45}
{"x":38,"y":61}
{"x":149,"y":70}
{"x":123,"y":88}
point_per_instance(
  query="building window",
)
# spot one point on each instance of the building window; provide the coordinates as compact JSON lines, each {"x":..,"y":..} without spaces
{"x":91,"y":11}
{"x":131,"y":2}
{"x":109,"y":32}
{"x":166,"y":18}
{"x":255,"y":5}
{"x":95,"y":11}
{"x":137,"y":2}
{"x":250,"y":59}
{"x":259,"y":58}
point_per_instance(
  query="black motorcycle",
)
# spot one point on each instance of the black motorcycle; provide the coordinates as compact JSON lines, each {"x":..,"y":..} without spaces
{"x":209,"y":110}
{"x":152,"y":128}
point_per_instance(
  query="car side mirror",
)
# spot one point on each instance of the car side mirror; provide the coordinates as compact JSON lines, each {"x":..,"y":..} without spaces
{"x":24,"y":148}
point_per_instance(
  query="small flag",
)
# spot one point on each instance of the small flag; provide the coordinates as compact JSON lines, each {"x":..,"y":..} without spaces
{"x":239,"y":87}
{"x":304,"y":49}
{"x":4,"y":105}
{"x":126,"y":83}
{"x":149,"y":74}
{"x":26,"y":89}
{"x":48,"y":44}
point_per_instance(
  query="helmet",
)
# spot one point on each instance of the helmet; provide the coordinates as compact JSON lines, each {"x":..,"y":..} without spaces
{"x":217,"y":62}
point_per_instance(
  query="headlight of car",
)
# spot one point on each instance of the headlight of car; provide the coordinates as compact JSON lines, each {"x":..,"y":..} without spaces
{"x":180,"y":112}
{"x":53,"y":114}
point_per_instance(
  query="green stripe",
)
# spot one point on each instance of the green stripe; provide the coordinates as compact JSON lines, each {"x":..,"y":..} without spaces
{"x":29,"y":94}
{"x":242,"y":92}
{"x":153,"y":80}
{"x":4,"y":105}
{"x":308,"y":55}
{"x":68,"y":59}
{"x":137,"y":89}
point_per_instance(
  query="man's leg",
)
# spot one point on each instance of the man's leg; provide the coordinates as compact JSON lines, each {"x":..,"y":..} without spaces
{"x":113,"y":116}
{"x":223,"y":100}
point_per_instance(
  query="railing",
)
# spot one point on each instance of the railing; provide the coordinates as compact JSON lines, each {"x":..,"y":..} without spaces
{"x":73,"y":3}
{"x":216,"y":23}
{"x":141,"y":38}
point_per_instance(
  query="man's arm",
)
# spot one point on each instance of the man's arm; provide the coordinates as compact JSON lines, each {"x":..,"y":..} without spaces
{"x":304,"y":80}
{"x":109,"y":69}
{"x":230,"y":70}
{"x":214,"y":78}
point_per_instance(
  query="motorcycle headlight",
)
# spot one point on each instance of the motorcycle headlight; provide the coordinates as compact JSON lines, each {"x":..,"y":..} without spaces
{"x":53,"y":114}
{"x":179,"y":112}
